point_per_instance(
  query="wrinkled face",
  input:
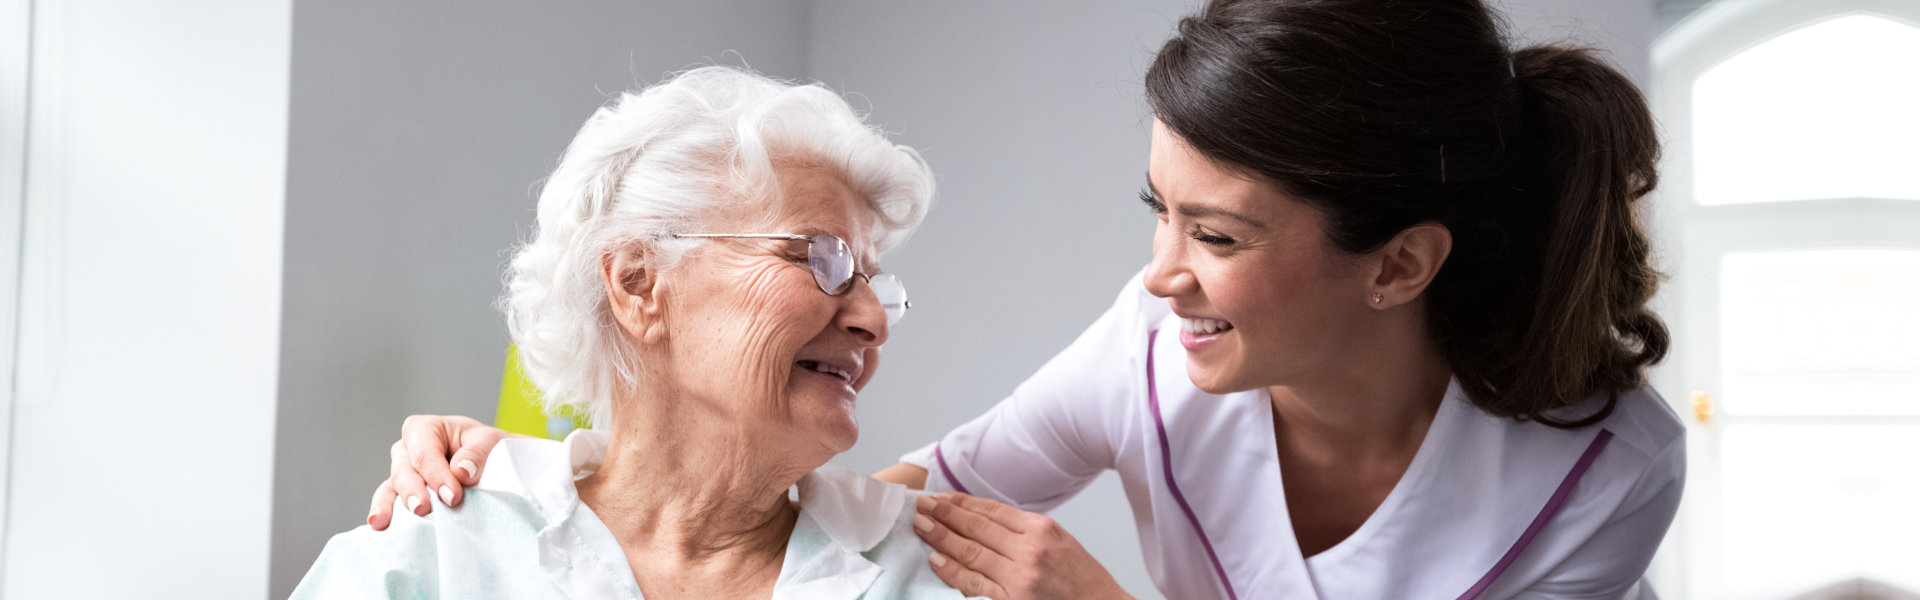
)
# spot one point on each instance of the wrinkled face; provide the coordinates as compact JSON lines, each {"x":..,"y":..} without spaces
{"x":750,"y":336}
{"x":1263,"y":300}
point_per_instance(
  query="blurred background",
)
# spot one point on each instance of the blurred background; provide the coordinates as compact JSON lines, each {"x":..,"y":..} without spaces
{"x":241,"y":240}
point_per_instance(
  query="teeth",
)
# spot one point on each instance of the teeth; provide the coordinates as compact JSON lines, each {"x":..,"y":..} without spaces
{"x":821,"y":367}
{"x":1204,"y":326}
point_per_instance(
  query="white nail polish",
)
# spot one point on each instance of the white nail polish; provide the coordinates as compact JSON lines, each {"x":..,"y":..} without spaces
{"x":937,"y":559}
{"x":413,"y":503}
{"x":446,"y":495}
{"x":467,"y":465}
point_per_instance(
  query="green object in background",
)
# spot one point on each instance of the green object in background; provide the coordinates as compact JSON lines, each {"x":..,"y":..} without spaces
{"x":520,"y":412}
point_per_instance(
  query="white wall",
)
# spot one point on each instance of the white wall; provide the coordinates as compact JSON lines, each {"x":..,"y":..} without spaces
{"x":418,"y":134}
{"x":143,"y":430}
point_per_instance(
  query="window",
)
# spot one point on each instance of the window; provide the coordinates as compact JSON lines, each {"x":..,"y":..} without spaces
{"x":1791,"y":208}
{"x":1825,"y":111}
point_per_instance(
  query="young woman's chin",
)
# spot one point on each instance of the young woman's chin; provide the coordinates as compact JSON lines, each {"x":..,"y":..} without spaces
{"x":1212,"y":378}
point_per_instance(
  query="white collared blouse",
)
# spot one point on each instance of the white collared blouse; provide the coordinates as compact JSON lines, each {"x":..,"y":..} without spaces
{"x":1489,"y":508}
{"x":523,"y":533}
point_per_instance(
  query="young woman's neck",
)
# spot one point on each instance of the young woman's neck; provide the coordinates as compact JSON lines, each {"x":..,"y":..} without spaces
{"x":1378,"y":399}
{"x":695,"y":500}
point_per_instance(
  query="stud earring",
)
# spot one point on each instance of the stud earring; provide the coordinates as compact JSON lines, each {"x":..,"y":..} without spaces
{"x":1376,"y":298}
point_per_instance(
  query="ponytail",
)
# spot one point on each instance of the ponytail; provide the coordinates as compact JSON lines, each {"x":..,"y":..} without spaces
{"x":1386,"y":115}
{"x":1590,"y":329}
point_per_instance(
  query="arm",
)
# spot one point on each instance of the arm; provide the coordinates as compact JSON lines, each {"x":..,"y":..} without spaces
{"x":1059,"y":429}
{"x":1035,"y":449}
{"x":443,"y":454}
{"x":907,"y":474}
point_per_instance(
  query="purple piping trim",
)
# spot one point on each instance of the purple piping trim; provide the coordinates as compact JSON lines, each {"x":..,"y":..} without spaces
{"x":946,"y":472}
{"x":1554,"y":503}
{"x":1166,"y":458}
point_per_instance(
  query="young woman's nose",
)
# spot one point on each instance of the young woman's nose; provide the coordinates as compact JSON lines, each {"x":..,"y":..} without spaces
{"x":1167,"y":274}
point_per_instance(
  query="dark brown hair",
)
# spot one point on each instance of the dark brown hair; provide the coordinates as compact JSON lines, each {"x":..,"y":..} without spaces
{"x":1384,"y":114}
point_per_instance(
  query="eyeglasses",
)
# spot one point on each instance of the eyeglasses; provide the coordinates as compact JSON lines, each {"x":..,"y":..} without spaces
{"x":832,"y":265}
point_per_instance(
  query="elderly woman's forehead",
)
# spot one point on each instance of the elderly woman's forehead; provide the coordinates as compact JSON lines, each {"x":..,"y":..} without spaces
{"x":821,"y":197}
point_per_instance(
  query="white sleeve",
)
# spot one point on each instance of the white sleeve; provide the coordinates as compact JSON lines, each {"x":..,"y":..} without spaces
{"x":1613,"y":561}
{"x":1060,"y":428}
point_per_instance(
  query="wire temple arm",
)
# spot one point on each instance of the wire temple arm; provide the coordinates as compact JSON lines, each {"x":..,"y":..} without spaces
{"x":763,"y":236}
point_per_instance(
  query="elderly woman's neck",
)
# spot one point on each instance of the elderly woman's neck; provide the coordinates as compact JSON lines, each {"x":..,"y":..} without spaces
{"x":685,"y":492}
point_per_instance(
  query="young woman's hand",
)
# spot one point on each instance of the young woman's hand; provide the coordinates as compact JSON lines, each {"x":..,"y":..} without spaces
{"x":435,"y":454}
{"x":985,"y":548}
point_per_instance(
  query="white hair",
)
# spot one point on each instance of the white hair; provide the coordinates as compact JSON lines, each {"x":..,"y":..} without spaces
{"x":653,"y":163}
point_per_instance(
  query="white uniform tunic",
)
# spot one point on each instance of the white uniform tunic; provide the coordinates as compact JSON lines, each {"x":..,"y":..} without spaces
{"x":1490,"y":507}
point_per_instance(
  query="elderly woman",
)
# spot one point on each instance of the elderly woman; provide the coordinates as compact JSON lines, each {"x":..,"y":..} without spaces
{"x":703,"y":283}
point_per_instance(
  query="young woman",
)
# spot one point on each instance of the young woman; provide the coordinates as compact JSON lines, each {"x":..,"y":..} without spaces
{"x":1392,"y":343}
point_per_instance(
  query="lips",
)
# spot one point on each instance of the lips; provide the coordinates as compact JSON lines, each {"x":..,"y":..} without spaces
{"x":846,"y":371}
{"x":1199,"y":333}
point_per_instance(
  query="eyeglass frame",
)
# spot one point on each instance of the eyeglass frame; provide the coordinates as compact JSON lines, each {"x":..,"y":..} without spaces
{"x":905,"y":305}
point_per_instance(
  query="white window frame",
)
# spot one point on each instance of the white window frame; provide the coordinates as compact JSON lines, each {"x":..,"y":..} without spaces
{"x":1699,"y":237}
{"x":16,"y":18}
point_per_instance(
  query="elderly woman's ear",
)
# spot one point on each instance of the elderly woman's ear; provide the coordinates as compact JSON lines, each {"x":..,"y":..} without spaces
{"x":631,"y":293}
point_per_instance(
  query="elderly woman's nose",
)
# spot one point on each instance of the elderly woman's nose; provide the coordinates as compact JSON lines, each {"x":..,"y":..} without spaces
{"x":861,"y":314}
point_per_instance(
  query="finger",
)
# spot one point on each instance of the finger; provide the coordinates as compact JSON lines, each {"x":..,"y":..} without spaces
{"x":471,"y":449}
{"x":1007,"y":516}
{"x":971,"y":583}
{"x":407,"y":483}
{"x":426,"y":439}
{"x":961,"y":549}
{"x":968,"y":523}
{"x":381,"y":514}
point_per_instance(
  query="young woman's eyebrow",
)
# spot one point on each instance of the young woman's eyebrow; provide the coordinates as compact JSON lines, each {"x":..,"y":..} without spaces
{"x":1197,"y":210}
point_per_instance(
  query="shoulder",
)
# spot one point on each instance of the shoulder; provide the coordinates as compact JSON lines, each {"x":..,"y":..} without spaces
{"x":902,"y":557}
{"x":1642,"y":422}
{"x":417,"y":557}
{"x":873,"y":519}
{"x":1633,"y":459}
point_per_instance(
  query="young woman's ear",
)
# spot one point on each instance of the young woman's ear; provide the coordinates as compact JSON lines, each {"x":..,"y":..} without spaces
{"x":633,"y":291}
{"x":1408,"y":263}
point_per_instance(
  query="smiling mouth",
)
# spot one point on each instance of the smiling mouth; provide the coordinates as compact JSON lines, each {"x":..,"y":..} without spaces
{"x":1203,"y":327}
{"x":826,"y":369}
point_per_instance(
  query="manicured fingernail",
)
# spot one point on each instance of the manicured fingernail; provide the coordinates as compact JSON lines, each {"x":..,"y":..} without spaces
{"x":413,"y":504}
{"x":925,"y":503}
{"x":920,"y":522}
{"x":937,"y":560}
{"x":446,"y":495}
{"x":466,"y":465}
{"x":370,"y":517}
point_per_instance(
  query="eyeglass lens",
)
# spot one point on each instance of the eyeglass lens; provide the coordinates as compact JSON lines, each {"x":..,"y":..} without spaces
{"x":832,"y":265}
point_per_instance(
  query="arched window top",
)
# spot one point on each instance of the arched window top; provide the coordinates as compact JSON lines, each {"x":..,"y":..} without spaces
{"x":1823,"y":111}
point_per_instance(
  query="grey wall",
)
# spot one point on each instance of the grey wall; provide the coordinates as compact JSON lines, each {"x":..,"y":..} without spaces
{"x":418,"y":131}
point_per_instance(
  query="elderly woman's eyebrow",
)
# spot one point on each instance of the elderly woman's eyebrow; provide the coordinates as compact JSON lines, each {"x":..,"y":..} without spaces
{"x":1191,"y":210}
